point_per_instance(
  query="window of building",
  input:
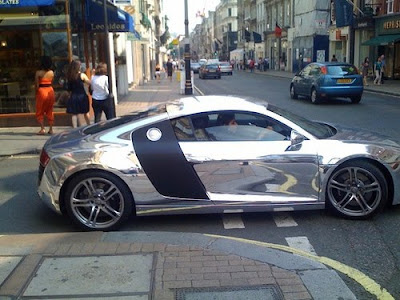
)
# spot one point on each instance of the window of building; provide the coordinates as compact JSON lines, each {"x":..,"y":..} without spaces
{"x":389,"y":6}
{"x":229,"y":12}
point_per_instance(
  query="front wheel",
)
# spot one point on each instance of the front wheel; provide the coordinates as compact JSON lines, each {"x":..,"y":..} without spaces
{"x":98,"y":201}
{"x":356,"y":99}
{"x":357,"y":190}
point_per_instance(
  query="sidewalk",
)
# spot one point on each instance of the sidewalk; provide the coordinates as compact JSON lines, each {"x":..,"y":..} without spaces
{"x":157,"y":265}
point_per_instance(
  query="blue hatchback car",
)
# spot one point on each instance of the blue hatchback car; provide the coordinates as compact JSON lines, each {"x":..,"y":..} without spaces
{"x":327,"y":80}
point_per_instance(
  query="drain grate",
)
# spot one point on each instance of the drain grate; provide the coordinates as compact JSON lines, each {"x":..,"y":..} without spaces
{"x":265,"y":292}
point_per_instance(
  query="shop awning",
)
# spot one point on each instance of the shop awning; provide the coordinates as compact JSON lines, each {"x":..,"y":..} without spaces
{"x":118,"y":20}
{"x":23,"y":3}
{"x":382,"y":40}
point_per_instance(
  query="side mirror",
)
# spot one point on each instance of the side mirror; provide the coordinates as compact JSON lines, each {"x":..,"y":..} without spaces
{"x":296,"y":138}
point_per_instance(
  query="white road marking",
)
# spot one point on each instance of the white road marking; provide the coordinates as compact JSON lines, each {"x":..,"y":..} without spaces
{"x":301,"y":243}
{"x":232,"y":221}
{"x":284,"y":220}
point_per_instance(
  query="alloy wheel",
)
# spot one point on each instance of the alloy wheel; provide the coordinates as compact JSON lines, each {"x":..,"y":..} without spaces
{"x":356,"y":192}
{"x":96,"y":203}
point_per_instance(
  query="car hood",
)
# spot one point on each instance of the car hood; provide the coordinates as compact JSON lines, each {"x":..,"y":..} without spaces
{"x":347,"y":134}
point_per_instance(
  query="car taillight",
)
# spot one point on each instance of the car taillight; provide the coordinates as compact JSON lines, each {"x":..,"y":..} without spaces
{"x":44,"y":158}
{"x":324,"y":70}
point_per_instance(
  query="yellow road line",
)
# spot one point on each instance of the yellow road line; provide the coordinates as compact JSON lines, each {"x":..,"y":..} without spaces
{"x":366,"y":282}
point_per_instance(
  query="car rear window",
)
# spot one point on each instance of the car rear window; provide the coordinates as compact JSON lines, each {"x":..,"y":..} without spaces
{"x":342,"y":70}
{"x":213,"y":66}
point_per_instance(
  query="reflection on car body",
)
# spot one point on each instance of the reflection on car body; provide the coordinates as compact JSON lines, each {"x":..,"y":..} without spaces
{"x":101,"y":174}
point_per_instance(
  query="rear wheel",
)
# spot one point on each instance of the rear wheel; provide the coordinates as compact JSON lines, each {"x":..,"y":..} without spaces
{"x":314,"y":96}
{"x":293,"y":93}
{"x":98,"y":200}
{"x":356,"y":99}
{"x":357,"y":190}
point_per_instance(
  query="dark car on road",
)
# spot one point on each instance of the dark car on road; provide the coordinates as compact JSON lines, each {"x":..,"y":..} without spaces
{"x":210,"y":70}
{"x":328,"y":80}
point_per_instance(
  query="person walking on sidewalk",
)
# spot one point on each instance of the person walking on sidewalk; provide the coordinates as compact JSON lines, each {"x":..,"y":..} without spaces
{"x":101,"y":102}
{"x":365,"y":69}
{"x":383,"y":67}
{"x":78,"y":102}
{"x":251,"y":65}
{"x":378,"y":74}
{"x":45,"y":96}
{"x":158,"y":73}
{"x":170,"y":68}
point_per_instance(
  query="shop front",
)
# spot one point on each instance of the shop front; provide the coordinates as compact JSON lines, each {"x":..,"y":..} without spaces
{"x":61,"y":29}
{"x":387,"y":42}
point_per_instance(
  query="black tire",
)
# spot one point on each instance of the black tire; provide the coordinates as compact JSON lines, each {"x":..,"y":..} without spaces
{"x":293,"y":93}
{"x":357,"y":190}
{"x":102,"y":193}
{"x":219,"y":77}
{"x":314,"y":96}
{"x":355,"y":99}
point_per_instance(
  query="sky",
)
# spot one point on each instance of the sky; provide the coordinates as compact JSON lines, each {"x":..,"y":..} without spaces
{"x":175,"y":10}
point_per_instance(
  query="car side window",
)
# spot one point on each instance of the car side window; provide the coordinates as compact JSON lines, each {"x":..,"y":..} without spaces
{"x":306,"y":70}
{"x":183,"y":129}
{"x":238,"y":126}
{"x":315,"y":70}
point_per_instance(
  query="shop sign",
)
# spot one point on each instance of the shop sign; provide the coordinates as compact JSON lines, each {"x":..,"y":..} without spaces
{"x":21,"y":3}
{"x":364,"y":23}
{"x":388,"y":25}
{"x":113,"y":27}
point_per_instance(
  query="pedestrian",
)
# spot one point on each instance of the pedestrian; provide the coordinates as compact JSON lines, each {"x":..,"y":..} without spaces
{"x":78,"y":102}
{"x":378,"y":74}
{"x":45,"y":96}
{"x":251,"y":65}
{"x":383,"y":67}
{"x":334,"y":58}
{"x":158,"y":72}
{"x":170,"y":68}
{"x":101,"y":100}
{"x":365,"y":69}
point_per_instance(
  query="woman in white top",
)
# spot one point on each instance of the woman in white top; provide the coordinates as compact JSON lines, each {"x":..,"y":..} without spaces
{"x":101,"y":101}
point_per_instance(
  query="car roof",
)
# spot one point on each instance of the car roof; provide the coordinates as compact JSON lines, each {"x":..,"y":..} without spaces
{"x":199,"y":104}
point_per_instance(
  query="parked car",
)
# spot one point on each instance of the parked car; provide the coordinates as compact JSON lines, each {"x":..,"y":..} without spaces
{"x":210,"y":70}
{"x":226,"y":68}
{"x":180,"y":158}
{"x":327,"y":80}
{"x":195,"y":66}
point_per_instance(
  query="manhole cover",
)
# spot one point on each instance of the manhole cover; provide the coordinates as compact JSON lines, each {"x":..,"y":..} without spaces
{"x":266,"y":292}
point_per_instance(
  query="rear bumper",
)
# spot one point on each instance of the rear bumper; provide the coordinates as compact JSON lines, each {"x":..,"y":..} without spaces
{"x":341,"y":91}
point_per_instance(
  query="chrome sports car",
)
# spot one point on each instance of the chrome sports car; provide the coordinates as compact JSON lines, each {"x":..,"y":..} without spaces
{"x":180,"y":157}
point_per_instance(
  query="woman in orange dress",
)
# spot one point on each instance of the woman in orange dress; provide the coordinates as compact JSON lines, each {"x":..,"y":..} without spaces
{"x":45,"y":97}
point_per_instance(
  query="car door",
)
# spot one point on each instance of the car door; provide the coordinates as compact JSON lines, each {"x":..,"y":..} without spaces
{"x":303,"y":81}
{"x":253,"y":161}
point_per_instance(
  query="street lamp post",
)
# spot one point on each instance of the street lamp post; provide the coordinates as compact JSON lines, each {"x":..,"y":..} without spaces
{"x":188,"y":77}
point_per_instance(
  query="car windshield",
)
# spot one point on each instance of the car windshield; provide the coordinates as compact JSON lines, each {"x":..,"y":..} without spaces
{"x":225,"y":64}
{"x":342,"y":70}
{"x":105,"y":125}
{"x":319,"y":130}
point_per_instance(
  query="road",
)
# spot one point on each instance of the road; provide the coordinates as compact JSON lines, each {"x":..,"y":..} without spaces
{"x":371,"y":246}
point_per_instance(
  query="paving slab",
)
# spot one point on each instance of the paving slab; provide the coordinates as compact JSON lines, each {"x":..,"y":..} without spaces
{"x":92,"y":276}
{"x":334,"y":287}
{"x":7,"y":265}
